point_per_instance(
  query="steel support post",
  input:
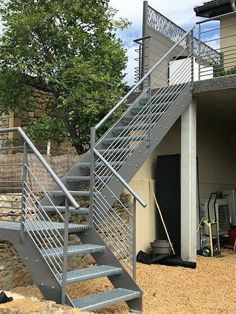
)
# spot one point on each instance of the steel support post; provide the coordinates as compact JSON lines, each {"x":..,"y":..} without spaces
{"x":92,"y":173}
{"x":65,"y":251}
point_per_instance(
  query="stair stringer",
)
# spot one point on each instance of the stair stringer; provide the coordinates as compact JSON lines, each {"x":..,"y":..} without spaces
{"x":142,"y":152}
{"x":138,"y":157}
{"x":123,"y":280}
{"x":35,"y":263}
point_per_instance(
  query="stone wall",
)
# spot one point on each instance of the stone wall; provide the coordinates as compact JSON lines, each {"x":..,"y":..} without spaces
{"x":12,"y":271}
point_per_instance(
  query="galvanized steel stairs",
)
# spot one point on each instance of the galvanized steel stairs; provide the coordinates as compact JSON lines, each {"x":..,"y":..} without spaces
{"x":125,"y":146}
{"x":126,"y":288}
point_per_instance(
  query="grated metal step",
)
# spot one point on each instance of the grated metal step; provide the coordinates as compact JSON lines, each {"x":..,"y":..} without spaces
{"x":109,"y":140}
{"x":154,"y":107}
{"x":73,"y":193}
{"x":86,"y":165}
{"x":90,"y":273}
{"x":41,"y":226}
{"x":116,"y":150}
{"x":81,"y":210}
{"x":74,"y":249}
{"x":142,"y":117}
{"x":161,"y":96}
{"x":131,"y":128}
{"x":103,"y":299}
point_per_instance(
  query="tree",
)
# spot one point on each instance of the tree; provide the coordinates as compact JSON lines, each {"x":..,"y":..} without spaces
{"x":68,"y":49}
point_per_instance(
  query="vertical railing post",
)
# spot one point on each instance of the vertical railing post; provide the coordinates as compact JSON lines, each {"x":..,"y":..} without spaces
{"x":199,"y":52}
{"x":149,"y":121}
{"x":192,"y":57}
{"x":92,"y":172}
{"x":65,"y":252}
{"x":23,"y":194}
{"x":144,"y":46}
{"x":134,"y":238}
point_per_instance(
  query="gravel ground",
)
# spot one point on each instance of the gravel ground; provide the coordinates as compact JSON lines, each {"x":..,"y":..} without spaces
{"x":209,"y":289}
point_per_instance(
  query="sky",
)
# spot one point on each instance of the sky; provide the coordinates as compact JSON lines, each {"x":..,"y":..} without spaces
{"x":179,"y":11}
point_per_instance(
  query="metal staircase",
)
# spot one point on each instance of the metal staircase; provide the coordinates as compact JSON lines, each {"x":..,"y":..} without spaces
{"x":107,"y":229}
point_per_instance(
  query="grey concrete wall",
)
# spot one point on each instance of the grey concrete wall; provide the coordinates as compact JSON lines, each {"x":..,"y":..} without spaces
{"x":216,"y":151}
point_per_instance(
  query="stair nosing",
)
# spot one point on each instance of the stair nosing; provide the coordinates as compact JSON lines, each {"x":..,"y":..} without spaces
{"x":132,"y":294}
{"x":80,"y":210}
{"x":56,"y":225}
{"x":74,"y":249}
{"x":105,"y":273}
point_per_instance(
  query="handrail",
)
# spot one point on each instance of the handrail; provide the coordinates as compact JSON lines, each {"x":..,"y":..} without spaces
{"x":44,"y":162}
{"x":141,"y":202}
{"x":141,"y":81}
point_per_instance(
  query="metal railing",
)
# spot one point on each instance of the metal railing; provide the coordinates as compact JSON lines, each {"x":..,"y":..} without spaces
{"x":105,"y":166}
{"x":143,"y":53}
{"x":222,"y":37}
{"x":115,"y":223}
{"x":170,"y":30}
{"x":48,"y":232}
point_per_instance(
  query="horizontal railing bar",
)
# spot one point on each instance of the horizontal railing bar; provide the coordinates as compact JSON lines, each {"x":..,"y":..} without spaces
{"x":45,"y":164}
{"x":32,"y":196}
{"x":43,"y":191}
{"x":117,"y":199}
{"x":217,"y":29}
{"x":38,"y":235}
{"x":141,"y":38}
{"x":219,"y":38}
{"x":119,"y":221}
{"x":112,"y":231}
{"x":142,"y":80}
{"x":135,"y":119}
{"x":116,"y":174}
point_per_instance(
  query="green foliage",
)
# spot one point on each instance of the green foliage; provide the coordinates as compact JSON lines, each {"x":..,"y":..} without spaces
{"x":69,"y":49}
{"x":221,"y":71}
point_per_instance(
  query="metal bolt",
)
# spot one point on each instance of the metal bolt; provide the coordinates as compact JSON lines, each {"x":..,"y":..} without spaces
{"x":26,"y":258}
{"x":42,"y":284}
{"x":53,"y":287}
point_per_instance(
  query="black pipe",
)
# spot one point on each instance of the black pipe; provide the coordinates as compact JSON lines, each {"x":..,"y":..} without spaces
{"x":167,"y":260}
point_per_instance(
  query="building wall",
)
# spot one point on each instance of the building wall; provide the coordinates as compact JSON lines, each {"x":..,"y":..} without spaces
{"x":228,"y":40}
{"x":216,"y":151}
{"x":217,"y":155}
{"x":157,"y":26}
{"x":141,"y":183}
{"x":158,"y":47}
